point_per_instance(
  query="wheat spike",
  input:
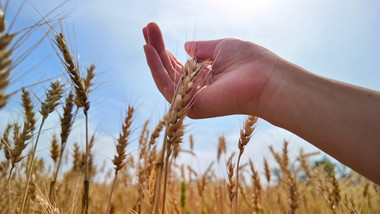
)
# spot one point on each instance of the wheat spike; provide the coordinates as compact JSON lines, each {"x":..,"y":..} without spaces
{"x":81,"y":86}
{"x":54,"y":150}
{"x":180,"y":104}
{"x":76,"y":158}
{"x":221,"y":147}
{"x":28,"y":109}
{"x":267,"y":171}
{"x":4,"y":139}
{"x":51,"y":102}
{"x":52,"y":97}
{"x":256,"y":190}
{"x":122,"y":141}
{"x":5,"y":61}
{"x":245,"y":137}
{"x":231,"y":184}
{"x":20,"y":142}
{"x":156,"y":132}
{"x":66,"y":120}
{"x":191,"y":139}
{"x":13,"y":155}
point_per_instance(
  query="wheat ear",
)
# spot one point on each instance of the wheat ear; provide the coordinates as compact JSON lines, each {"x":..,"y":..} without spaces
{"x":231,"y":184}
{"x":14,"y":154}
{"x":181,"y":103}
{"x":48,"y":106}
{"x":122,"y":143}
{"x":5,"y":61}
{"x":28,"y":109}
{"x":82,"y":89}
{"x":20,"y":139}
{"x":221,"y":147}
{"x":257,"y":189}
{"x":66,"y":124}
{"x":245,"y":137}
{"x":267,"y":171}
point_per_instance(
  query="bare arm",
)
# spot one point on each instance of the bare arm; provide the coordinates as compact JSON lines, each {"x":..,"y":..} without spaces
{"x":341,"y":119}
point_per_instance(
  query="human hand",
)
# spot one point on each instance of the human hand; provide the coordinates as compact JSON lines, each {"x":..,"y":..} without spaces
{"x":239,"y":74}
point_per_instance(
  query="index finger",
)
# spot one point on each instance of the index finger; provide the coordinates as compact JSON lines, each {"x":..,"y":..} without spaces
{"x":202,"y":50}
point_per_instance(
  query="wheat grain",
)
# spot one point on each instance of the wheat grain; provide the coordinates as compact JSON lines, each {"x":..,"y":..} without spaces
{"x":54,"y":150}
{"x":221,"y":147}
{"x":122,"y":143}
{"x":257,"y":189}
{"x":245,"y":137}
{"x":28,"y":109}
{"x":267,"y":171}
{"x":51,"y":102}
{"x":180,"y":105}
{"x":156,"y":133}
{"x":5,"y":61}
{"x":52,"y":97}
{"x":231,"y":184}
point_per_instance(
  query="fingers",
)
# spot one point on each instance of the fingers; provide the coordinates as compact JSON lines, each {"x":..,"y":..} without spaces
{"x":161,"y":77}
{"x":176,"y":65}
{"x":154,"y":37}
{"x":145,"y":33}
{"x":202,"y":50}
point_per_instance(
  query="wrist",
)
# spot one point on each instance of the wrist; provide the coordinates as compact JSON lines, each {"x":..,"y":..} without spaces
{"x":277,"y":102}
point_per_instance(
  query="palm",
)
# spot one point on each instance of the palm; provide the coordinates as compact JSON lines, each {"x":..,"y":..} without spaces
{"x":238,"y":76}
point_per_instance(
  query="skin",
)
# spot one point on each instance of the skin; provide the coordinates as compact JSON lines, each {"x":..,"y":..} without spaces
{"x":342,"y":120}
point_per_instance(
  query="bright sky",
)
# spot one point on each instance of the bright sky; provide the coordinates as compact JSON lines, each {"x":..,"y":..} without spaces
{"x":337,"y":39}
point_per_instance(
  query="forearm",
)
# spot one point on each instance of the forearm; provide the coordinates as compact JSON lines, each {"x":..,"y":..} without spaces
{"x":340,"y":119}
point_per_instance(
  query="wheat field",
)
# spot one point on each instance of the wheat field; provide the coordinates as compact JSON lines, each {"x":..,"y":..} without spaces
{"x":152,"y":180}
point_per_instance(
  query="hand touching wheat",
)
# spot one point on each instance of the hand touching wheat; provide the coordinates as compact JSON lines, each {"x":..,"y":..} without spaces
{"x":240,"y":71}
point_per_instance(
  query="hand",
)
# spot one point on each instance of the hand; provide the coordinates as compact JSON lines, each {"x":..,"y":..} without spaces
{"x":239,"y":74}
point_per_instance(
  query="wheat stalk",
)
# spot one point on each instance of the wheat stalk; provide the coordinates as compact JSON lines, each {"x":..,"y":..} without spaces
{"x":51,"y":102}
{"x":66,"y":123}
{"x":181,"y":103}
{"x":245,"y":137}
{"x":82,"y":89}
{"x":122,"y":143}
{"x":13,"y":155}
{"x":290,"y":181}
{"x":142,"y":164}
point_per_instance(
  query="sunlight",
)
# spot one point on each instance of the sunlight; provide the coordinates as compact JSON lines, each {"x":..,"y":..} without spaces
{"x":243,"y":9}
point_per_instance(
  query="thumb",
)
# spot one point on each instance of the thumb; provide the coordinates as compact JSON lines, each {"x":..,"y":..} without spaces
{"x":202,"y":50}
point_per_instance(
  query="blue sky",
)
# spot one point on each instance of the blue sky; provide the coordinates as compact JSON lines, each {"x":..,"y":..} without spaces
{"x":336,"y":39}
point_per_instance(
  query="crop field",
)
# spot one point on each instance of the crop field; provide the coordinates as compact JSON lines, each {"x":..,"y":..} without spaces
{"x":152,"y":180}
